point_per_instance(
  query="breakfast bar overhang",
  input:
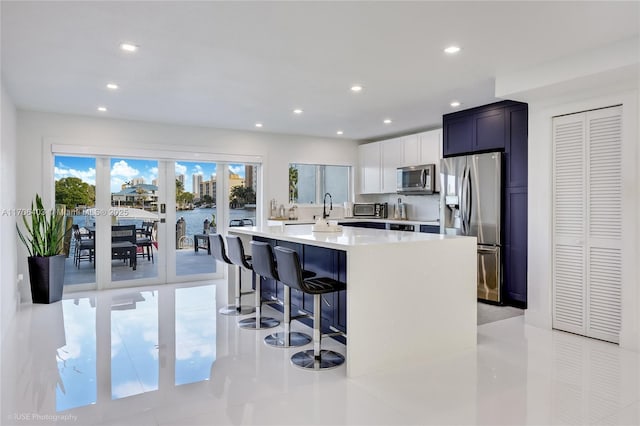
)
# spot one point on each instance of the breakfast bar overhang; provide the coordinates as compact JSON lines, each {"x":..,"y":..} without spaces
{"x":411,"y":297}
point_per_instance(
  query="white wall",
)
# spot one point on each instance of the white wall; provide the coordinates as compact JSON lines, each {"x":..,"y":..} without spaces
{"x":569,"y":91}
{"x":37,"y":131}
{"x":8,"y":238}
{"x":540,"y":207}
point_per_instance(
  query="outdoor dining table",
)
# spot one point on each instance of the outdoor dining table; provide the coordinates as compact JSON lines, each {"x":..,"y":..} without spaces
{"x":121,"y":249}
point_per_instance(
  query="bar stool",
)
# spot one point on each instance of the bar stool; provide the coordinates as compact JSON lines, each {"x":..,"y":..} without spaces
{"x":290,"y":274}
{"x":216,"y":243}
{"x":237,"y":256}
{"x":264,"y":264}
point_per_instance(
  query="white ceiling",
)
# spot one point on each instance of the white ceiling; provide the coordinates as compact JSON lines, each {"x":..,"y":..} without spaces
{"x":231,"y":64}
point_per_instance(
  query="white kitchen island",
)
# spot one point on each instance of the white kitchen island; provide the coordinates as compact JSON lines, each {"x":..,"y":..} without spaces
{"x":411,"y":297}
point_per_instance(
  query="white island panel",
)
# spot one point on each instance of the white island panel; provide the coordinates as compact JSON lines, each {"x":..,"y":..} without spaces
{"x":409,"y":303}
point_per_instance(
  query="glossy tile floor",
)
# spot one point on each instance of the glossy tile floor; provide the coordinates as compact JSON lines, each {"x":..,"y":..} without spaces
{"x":161,"y":356}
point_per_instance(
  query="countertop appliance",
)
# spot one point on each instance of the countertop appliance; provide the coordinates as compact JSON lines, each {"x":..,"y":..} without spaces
{"x":470,"y":197}
{"x":376,"y":210}
{"x":416,"y":180}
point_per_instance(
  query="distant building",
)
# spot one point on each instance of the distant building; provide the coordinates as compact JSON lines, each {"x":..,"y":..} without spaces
{"x":251,"y":177}
{"x":143,"y":195}
{"x":137,"y":181}
{"x":180,"y":178}
{"x":154,"y":182}
{"x":235,"y":180}
{"x":210,"y":188}
{"x":196,"y":180}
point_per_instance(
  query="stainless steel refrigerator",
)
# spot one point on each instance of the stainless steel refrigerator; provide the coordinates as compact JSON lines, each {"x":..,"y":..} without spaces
{"x":470,"y":204}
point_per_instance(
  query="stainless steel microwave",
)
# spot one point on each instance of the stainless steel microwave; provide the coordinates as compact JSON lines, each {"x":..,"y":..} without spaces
{"x":416,"y":180}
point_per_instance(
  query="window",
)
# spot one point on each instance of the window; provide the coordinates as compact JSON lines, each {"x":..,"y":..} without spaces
{"x":309,"y":182}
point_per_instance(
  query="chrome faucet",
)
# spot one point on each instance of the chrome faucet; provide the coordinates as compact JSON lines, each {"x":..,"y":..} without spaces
{"x":324,"y":205}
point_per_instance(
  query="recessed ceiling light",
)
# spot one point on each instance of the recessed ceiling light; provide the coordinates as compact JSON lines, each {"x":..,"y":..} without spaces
{"x":387,"y":121}
{"x":455,"y":104}
{"x":258,"y":124}
{"x":356,"y":88}
{"x":128,"y":47}
{"x":112,"y":86}
{"x":297,"y":111}
{"x":452,"y":49}
{"x":102,"y":109}
{"x":339,"y":132}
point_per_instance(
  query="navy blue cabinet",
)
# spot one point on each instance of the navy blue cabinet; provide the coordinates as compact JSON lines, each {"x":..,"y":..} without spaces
{"x":489,"y":129}
{"x":502,"y":126}
{"x":372,"y":225}
{"x":516,"y":146}
{"x":481,"y":129}
{"x":515,"y":248}
{"x":457,"y":135}
{"x":430,"y":229}
{"x":324,"y":262}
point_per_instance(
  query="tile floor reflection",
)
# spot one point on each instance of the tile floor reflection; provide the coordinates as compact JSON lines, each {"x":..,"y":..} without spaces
{"x":161,"y":356}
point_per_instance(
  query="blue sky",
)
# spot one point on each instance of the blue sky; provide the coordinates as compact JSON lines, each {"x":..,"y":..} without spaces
{"x":123,"y":170}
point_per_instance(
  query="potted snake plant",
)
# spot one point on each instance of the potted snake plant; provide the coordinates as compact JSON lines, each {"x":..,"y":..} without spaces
{"x":44,"y":238}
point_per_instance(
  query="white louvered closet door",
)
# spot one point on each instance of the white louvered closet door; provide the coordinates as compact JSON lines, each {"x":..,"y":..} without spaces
{"x":587,"y":221}
{"x":568,"y":223}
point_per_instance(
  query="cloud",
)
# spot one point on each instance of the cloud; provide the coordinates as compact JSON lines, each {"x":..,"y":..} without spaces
{"x":122,"y":169}
{"x":197,"y":170}
{"x":181,"y":169}
{"x":130,"y":388}
{"x":88,"y":176}
{"x":237,"y":169}
{"x":116,"y":183}
{"x":154,"y":172}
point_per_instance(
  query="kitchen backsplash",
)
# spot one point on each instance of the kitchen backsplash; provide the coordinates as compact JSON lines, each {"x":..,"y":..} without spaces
{"x":422,"y":207}
{"x":419,"y":207}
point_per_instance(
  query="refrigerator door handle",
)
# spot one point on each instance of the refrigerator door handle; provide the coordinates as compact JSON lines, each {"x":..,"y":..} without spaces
{"x":463,"y":202}
{"x":468,"y":201}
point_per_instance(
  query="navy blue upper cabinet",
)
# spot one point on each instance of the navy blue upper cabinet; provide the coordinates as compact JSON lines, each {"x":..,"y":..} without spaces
{"x":480,"y":129}
{"x":457,"y":135}
{"x":489,"y":130}
{"x":517,"y":124}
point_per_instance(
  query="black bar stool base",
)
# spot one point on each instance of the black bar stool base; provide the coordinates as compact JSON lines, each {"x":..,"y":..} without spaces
{"x":233,"y":311}
{"x":328,"y":359}
{"x":277,"y":340}
{"x":265,"y":322}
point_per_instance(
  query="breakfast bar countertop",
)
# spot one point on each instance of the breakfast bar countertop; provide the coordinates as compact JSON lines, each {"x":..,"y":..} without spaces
{"x":345,"y":239}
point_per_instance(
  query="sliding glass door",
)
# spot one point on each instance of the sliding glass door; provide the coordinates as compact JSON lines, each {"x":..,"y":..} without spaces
{"x":75,"y":194}
{"x":139,"y":221}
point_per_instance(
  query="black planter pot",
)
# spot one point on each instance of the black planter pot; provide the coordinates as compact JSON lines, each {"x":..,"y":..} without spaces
{"x":46,"y":275}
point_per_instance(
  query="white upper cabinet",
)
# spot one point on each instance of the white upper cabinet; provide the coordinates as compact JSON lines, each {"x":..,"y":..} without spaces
{"x":410,"y":150}
{"x":430,"y":144}
{"x":421,"y":148}
{"x":391,"y":160}
{"x":370,"y":168}
{"x":431,"y":151}
{"x":379,"y":160}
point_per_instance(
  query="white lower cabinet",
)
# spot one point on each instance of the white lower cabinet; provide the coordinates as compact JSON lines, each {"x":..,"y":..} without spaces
{"x":587,"y":223}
